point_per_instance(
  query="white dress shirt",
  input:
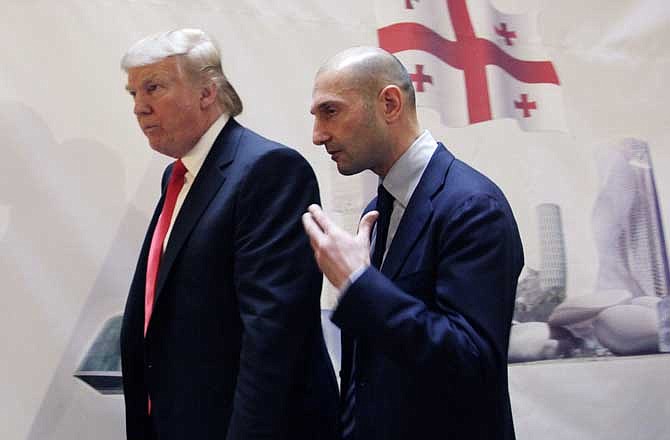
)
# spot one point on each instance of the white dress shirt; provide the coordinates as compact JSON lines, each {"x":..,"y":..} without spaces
{"x":401,"y":181}
{"x":403,"y":178}
{"x":193,"y":161}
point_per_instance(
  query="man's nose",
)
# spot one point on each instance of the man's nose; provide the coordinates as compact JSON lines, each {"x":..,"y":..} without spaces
{"x":141,"y":107}
{"x":319,"y":135}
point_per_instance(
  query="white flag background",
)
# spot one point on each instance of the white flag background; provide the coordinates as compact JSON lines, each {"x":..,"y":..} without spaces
{"x":78,"y":181}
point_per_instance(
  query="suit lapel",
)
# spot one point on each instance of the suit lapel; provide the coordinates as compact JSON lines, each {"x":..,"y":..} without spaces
{"x":419,"y":210}
{"x":211,"y":176}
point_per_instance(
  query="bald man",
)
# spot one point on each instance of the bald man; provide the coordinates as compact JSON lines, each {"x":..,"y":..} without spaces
{"x":426,"y":317}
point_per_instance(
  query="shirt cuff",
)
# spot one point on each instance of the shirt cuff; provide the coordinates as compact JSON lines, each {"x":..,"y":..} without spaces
{"x":351,"y":280}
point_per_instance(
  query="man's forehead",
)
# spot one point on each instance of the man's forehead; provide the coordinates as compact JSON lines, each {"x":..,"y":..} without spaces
{"x":331,"y":78}
{"x":324,"y":96}
{"x":335,"y":84}
{"x":163,"y":69}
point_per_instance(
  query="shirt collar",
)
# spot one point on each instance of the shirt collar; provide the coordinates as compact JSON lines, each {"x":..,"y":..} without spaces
{"x":403,"y":177}
{"x":194,"y":159}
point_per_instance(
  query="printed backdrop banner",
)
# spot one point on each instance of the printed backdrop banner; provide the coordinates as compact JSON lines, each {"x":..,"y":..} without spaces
{"x":561,"y":103}
{"x":484,"y":60}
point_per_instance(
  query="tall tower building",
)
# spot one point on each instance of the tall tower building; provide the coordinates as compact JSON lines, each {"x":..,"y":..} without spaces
{"x":627,"y":222}
{"x":628,"y":228}
{"x":540,"y":291}
{"x":552,"y":250}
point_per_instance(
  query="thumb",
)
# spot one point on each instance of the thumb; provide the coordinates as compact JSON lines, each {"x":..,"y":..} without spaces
{"x":365,"y":225}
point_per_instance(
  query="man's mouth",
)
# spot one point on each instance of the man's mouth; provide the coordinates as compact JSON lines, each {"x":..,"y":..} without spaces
{"x":149,"y":128}
{"x":333,"y":153}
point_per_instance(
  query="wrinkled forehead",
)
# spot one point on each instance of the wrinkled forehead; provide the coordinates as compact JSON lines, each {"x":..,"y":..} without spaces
{"x":166,"y":69}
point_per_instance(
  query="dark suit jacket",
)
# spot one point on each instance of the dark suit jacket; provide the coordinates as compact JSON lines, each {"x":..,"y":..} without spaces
{"x":432,"y":327}
{"x":234,"y":348}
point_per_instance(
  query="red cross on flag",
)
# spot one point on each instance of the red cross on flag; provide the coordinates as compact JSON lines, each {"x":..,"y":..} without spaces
{"x":473,"y":63}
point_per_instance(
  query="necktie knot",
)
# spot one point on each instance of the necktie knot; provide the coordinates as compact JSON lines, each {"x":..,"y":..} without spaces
{"x":384,"y":201}
{"x":178,"y":170}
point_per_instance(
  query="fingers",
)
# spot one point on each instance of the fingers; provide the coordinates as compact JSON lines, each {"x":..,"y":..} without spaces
{"x":366,"y":223}
{"x":318,"y":227}
{"x":337,"y":253}
{"x":320,"y":218}
{"x":314,"y":232}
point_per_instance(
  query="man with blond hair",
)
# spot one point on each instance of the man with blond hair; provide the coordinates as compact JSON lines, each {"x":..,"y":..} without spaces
{"x":221,"y":336}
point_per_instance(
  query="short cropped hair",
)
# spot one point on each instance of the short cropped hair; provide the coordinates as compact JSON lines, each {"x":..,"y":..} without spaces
{"x":373,"y":68}
{"x":200,"y":57}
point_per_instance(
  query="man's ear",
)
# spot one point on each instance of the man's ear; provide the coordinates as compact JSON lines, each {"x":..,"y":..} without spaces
{"x":208,"y":95}
{"x":391,"y":98}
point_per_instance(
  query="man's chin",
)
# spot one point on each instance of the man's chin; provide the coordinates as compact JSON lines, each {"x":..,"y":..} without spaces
{"x":347,"y":171}
{"x":158,"y":147}
{"x":172,"y":150}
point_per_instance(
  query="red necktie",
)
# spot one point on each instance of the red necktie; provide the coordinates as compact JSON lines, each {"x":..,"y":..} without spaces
{"x":156,"y":250}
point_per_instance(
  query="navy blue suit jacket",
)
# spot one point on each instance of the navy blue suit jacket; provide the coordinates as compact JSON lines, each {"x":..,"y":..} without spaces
{"x":234,"y":348}
{"x":432,"y":327}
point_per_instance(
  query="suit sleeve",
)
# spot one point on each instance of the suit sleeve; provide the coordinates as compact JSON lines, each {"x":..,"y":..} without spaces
{"x":459,"y":324}
{"x":278,"y":288}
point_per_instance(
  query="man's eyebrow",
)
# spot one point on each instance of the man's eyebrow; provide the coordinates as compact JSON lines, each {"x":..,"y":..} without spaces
{"x":145,"y":81}
{"x":322,"y":105}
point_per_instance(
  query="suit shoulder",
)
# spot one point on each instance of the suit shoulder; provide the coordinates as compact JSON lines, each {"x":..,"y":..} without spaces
{"x":260,"y":157}
{"x":467,"y":192}
{"x":464,"y":181}
{"x":257,"y":147}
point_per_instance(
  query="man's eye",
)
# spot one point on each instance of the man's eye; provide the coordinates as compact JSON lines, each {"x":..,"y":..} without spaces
{"x":152,"y":87}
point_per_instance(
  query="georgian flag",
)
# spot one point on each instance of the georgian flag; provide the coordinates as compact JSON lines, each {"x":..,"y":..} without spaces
{"x":473,"y":63}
